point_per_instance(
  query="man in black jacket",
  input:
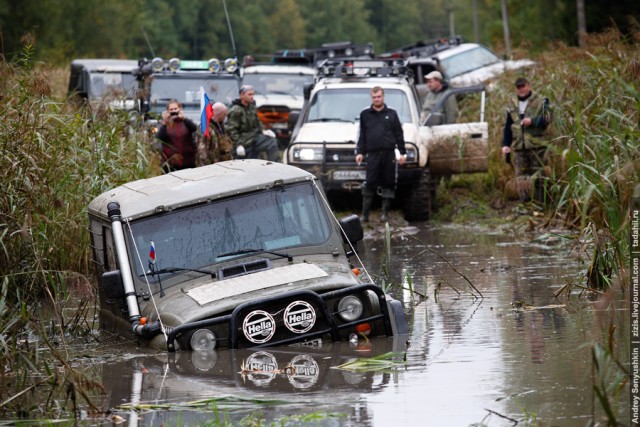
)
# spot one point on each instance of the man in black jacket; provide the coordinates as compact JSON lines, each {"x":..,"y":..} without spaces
{"x":380,"y":134}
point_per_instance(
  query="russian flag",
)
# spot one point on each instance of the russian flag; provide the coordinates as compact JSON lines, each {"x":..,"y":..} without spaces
{"x":152,"y":253}
{"x":206,"y":112}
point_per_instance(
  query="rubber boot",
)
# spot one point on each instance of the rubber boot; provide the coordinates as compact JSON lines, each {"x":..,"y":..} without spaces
{"x":539,"y":189}
{"x":386,"y":205}
{"x":367,"y":200}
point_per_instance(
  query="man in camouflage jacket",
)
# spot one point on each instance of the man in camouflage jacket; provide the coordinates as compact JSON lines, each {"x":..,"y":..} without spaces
{"x":217,"y":146}
{"x":526,"y":135}
{"x":245,"y":129}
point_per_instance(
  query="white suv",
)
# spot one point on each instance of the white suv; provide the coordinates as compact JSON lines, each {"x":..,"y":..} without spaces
{"x":325,"y":136}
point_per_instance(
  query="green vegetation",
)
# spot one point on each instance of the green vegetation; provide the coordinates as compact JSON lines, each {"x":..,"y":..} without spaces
{"x":55,"y":159}
{"x":66,"y":29}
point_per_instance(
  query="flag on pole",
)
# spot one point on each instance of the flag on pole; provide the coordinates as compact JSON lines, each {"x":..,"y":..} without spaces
{"x":206,"y":112}
{"x":152,"y":254}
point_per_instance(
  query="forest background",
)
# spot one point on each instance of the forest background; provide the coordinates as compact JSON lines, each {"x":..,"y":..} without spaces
{"x":197,"y":29}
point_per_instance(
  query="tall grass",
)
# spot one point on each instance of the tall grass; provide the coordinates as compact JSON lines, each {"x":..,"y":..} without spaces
{"x":594,"y":157}
{"x":54,"y":159}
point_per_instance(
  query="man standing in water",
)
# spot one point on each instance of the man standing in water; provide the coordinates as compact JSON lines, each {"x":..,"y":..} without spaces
{"x":525,"y":134}
{"x":380,"y":134}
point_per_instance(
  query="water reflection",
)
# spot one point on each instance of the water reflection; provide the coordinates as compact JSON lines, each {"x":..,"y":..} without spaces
{"x":518,"y":353}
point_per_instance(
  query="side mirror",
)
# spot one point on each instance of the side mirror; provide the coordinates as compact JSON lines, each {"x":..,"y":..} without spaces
{"x":293,"y":119}
{"x":112,"y":284}
{"x":307,"y":90}
{"x":352,"y":232}
{"x":435,"y":119}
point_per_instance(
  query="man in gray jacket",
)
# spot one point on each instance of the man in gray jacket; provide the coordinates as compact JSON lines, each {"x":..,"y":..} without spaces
{"x":437,"y":89}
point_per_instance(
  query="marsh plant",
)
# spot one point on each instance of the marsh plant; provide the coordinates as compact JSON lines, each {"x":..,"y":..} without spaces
{"x":55,"y":159}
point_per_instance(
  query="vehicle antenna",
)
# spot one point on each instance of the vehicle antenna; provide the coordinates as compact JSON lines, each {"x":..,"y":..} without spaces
{"x":233,"y":40}
{"x":144,"y":33}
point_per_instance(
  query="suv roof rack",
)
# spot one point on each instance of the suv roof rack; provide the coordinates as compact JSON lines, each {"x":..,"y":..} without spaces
{"x":343,"y":50}
{"x":382,"y":67}
{"x":173,"y":65}
{"x":423,"y":48}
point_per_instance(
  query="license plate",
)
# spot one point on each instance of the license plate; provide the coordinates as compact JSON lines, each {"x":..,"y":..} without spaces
{"x":279,"y":126}
{"x":347,"y":175}
{"x":317,"y":343}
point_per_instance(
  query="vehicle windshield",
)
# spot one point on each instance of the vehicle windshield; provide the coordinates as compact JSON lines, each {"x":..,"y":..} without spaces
{"x":468,"y":61}
{"x":278,"y":83}
{"x":272,"y":220}
{"x":187,"y":90}
{"x":346,"y":104}
{"x":116,"y":84}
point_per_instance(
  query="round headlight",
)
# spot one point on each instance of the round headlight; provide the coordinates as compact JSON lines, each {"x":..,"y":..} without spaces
{"x":231,"y":65}
{"x":174,"y":64}
{"x":350,"y":308}
{"x":214,"y":65}
{"x":203,"y":340}
{"x":348,"y":51}
{"x":157,"y":64}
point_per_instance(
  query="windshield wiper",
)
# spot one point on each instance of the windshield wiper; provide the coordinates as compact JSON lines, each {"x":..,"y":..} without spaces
{"x":331,"y":119}
{"x":177,"y":269}
{"x":257,"y":251}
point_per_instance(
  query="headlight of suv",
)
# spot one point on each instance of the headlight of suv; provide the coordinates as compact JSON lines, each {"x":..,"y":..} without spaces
{"x":203,"y":340}
{"x":350,"y":308}
{"x":307,"y":154}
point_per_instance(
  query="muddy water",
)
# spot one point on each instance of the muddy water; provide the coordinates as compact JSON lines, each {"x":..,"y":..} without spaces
{"x":515,"y":353}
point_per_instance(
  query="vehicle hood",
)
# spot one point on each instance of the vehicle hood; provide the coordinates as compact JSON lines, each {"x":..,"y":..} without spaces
{"x":341,"y":132}
{"x":204,"y":297}
{"x":291,"y":101}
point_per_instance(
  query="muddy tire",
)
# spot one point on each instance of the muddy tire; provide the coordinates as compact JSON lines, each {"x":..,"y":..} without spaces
{"x":417,"y":199}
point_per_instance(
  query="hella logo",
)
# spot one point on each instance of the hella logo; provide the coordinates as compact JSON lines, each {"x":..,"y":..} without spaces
{"x":299,"y":317}
{"x":259,"y":326}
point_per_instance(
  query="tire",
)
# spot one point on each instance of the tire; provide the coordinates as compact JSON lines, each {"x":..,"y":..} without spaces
{"x":417,"y":199}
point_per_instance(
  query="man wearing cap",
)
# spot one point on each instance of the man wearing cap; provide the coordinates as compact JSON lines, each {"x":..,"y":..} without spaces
{"x":525,"y":134}
{"x":437,"y":89}
{"x":245,"y":129}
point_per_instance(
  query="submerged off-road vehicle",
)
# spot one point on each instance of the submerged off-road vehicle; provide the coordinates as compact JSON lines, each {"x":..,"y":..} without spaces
{"x":236,"y":254}
{"x":324,"y":139}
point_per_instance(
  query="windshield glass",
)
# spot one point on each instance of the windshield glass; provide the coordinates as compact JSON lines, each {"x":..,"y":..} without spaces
{"x":468,"y":61}
{"x":346,"y":104}
{"x":273,"y":220}
{"x":187,"y":90}
{"x":113,"y":84}
{"x":266,"y":83}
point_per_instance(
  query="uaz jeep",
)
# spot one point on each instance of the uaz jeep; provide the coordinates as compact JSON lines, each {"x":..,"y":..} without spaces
{"x":325,"y":136}
{"x":237,"y":254}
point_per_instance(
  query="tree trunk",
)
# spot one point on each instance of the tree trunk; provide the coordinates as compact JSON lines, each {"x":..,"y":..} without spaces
{"x":582,"y":23}
{"x":505,"y":26}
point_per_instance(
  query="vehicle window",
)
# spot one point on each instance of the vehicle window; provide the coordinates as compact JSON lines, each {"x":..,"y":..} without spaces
{"x":273,"y":220}
{"x":265,"y":83}
{"x":112,"y":84}
{"x":346,"y":104}
{"x":187,"y":90}
{"x":468,"y":61}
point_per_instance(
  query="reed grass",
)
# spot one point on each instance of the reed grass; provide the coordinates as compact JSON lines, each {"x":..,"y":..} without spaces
{"x":55,"y":158}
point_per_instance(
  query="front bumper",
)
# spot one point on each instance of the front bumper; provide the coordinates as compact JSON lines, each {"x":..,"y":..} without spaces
{"x":296,"y":317}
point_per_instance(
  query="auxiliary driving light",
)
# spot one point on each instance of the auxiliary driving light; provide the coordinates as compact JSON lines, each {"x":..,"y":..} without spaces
{"x":174,"y":64}
{"x":350,"y":308}
{"x":214,"y":65}
{"x":203,"y":340}
{"x":231,"y":65}
{"x":157,"y":64}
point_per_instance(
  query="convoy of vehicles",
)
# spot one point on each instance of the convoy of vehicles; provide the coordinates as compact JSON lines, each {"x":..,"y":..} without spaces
{"x":325,"y":136}
{"x":109,"y":81}
{"x":243,"y":253}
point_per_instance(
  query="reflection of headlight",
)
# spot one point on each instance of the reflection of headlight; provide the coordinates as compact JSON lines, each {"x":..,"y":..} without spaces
{"x":204,"y":360}
{"x":350,"y":308}
{"x":307,"y":154}
{"x":203,"y":340}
